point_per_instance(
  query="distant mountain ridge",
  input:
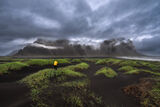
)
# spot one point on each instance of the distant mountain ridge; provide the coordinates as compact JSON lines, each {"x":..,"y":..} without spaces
{"x":112,"y":47}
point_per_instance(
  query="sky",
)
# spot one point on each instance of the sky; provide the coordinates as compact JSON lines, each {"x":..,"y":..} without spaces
{"x":23,"y":21}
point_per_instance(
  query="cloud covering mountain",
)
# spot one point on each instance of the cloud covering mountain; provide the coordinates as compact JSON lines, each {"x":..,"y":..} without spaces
{"x":22,"y":21}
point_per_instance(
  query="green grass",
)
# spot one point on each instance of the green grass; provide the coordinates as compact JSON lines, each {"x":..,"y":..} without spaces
{"x":155,"y":93}
{"x":5,"y":68}
{"x":108,"y":61}
{"x":76,"y":60}
{"x":75,"y":101}
{"x":137,"y":71}
{"x":101,"y":61}
{"x":41,"y":78}
{"x":74,"y":93}
{"x":108,"y":72}
{"x":151,"y":72}
{"x":62,"y":61}
{"x":40,"y":81}
{"x":152,"y":65}
{"x":42,"y":62}
{"x":90,"y":59}
{"x":153,"y":98}
{"x":130,"y":63}
{"x":79,"y":83}
{"x":126,"y":68}
{"x":80,"y":66}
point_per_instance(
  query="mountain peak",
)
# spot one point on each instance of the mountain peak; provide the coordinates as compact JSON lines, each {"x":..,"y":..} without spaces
{"x":62,"y":47}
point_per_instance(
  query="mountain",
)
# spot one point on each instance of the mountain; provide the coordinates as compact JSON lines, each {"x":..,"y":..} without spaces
{"x":112,"y":47}
{"x":118,"y":47}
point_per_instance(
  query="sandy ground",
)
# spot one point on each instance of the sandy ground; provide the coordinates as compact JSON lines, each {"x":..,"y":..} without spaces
{"x":111,"y":89}
{"x":13,"y":94}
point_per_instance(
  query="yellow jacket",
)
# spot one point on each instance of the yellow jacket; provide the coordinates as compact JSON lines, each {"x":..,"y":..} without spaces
{"x":55,"y":63}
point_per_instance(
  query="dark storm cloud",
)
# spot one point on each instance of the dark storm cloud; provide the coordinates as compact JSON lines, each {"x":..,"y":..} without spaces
{"x":150,"y":46}
{"x":28,"y":19}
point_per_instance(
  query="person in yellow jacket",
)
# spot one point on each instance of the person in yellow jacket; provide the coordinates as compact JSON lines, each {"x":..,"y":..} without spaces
{"x":55,"y":64}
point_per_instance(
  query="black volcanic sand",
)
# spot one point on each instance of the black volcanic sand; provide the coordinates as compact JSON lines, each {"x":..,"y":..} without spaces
{"x":111,"y":89}
{"x":13,"y":94}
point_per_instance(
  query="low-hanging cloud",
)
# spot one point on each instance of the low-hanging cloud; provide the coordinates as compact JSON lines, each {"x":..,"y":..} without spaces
{"x":27,"y":19}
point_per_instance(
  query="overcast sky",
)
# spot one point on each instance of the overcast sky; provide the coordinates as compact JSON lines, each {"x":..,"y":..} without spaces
{"x":22,"y":21}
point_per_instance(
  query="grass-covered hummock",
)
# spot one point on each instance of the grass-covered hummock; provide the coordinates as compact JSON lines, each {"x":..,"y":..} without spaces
{"x":41,"y":78}
{"x":5,"y":68}
{"x":137,"y":71}
{"x":109,"y":61}
{"x":90,"y":59}
{"x":80,"y":66}
{"x":60,"y":85}
{"x":154,"y":93}
{"x":75,"y":101}
{"x":134,"y":71}
{"x":130,"y":63}
{"x":42,"y":62}
{"x":79,"y":83}
{"x":39,"y":81}
{"x":152,"y":96}
{"x":155,"y":66}
{"x":76,"y":60}
{"x":108,"y":72}
{"x":126,"y":68}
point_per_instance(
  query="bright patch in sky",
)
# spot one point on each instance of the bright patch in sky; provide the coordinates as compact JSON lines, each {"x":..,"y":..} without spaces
{"x":45,"y":22}
{"x":95,"y":4}
{"x":40,"y":21}
{"x":140,"y":38}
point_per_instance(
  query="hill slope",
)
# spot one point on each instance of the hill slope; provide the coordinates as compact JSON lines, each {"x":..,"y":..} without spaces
{"x":113,"y":47}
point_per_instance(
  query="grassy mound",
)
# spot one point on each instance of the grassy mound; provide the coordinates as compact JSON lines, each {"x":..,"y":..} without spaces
{"x":147,"y":91}
{"x":108,"y":72}
{"x":154,"y":94}
{"x":137,"y":71}
{"x":42,"y":62}
{"x":126,"y":68}
{"x":155,"y":66}
{"x":109,"y":61}
{"x":80,"y":66}
{"x":90,"y":59}
{"x":130,"y":63}
{"x":76,"y":60}
{"x":5,"y":68}
{"x":60,"y":86}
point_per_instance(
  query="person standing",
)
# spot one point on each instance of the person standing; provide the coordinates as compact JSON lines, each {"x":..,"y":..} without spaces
{"x":55,"y":64}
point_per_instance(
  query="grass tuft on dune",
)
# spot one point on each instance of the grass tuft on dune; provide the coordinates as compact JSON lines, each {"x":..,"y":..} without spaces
{"x":42,"y":62}
{"x":39,"y":81}
{"x":126,"y":68}
{"x":108,"y":72}
{"x":5,"y":68}
{"x":109,"y":61}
